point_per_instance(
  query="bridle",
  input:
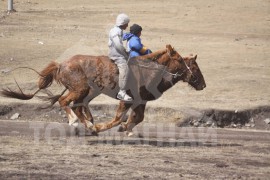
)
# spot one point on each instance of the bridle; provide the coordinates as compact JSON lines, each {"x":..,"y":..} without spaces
{"x":187,"y":69}
{"x":177,"y":73}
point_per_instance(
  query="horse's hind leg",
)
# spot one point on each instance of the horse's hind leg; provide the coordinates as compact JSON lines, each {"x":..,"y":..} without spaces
{"x":76,"y":111}
{"x":88,"y":114}
{"x":79,"y":113}
{"x":91,"y":95}
{"x":64,"y":102}
{"x":121,"y":111}
{"x":81,"y":108}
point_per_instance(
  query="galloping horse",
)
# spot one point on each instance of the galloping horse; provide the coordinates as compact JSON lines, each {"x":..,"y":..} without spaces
{"x":86,"y":77}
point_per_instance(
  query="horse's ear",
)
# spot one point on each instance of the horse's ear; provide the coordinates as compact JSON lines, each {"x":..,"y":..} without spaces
{"x":193,"y":59}
{"x":169,"y":48}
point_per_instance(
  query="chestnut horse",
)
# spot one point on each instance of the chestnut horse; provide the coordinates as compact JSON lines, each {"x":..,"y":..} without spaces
{"x":86,"y":77}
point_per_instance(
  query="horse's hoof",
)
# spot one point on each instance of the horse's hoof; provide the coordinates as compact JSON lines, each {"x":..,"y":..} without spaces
{"x":75,"y":124}
{"x":130,"y":134}
{"x":91,"y":133}
{"x":94,"y":133}
{"x":81,"y":131}
{"x":77,"y":131}
{"x":72,"y":119}
{"x":121,"y":129}
{"x":89,"y":125}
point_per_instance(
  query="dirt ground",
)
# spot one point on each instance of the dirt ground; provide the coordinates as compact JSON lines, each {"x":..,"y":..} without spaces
{"x":39,"y":150}
{"x":231,"y":39}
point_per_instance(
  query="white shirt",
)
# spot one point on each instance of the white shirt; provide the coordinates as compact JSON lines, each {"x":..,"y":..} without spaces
{"x":116,"y":47}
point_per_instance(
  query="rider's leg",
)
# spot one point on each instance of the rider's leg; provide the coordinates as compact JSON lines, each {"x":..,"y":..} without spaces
{"x":123,"y":77}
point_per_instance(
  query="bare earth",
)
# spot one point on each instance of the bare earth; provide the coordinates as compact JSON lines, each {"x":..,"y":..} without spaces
{"x":231,"y":39}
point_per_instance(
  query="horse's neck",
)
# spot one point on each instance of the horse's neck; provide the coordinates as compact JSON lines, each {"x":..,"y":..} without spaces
{"x":165,"y":76}
{"x":154,"y":75}
{"x":167,"y":83}
{"x":152,"y":56}
{"x":162,"y":58}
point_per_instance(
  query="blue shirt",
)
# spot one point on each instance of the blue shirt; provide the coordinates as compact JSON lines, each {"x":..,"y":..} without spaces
{"x":134,"y":45}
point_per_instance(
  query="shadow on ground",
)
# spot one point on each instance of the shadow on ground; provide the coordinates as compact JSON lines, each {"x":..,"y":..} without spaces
{"x":254,"y":118}
{"x":160,"y":143}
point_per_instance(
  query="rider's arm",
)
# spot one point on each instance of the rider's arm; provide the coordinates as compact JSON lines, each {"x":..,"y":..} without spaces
{"x":119,"y":46}
{"x":145,"y":50}
{"x":136,"y":45}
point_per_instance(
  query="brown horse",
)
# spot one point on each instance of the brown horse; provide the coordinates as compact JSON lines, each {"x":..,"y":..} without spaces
{"x":86,"y":77}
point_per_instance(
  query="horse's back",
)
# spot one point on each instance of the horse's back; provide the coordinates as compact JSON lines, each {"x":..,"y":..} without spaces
{"x":86,"y":63}
{"x":82,"y":59}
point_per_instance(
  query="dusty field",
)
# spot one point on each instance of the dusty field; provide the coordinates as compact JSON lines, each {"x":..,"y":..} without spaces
{"x":231,"y":39}
{"x":39,"y":150}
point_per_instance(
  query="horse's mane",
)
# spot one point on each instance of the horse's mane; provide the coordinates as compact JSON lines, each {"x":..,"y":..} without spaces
{"x":148,"y":61}
{"x":151,"y":56}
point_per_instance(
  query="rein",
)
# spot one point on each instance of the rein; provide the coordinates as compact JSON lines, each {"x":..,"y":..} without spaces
{"x":157,"y":68}
{"x":174,"y":75}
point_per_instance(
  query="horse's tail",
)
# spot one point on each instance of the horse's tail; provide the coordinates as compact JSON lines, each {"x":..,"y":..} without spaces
{"x":52,"y":99}
{"x":47,"y":76}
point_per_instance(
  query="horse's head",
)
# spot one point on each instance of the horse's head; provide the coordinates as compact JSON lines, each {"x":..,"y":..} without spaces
{"x":185,"y":68}
{"x":194,"y":76}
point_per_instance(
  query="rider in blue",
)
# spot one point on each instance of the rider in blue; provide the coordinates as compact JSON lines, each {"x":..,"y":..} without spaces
{"x":134,"y":45}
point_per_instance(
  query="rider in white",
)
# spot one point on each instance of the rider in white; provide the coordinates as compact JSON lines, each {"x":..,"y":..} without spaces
{"x":119,"y":55}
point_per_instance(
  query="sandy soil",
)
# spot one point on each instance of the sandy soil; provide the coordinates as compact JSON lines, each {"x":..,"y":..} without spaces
{"x":107,"y":161}
{"x":155,"y":152}
{"x":231,"y":39}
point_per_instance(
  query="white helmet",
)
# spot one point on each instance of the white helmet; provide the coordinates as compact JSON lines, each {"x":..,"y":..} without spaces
{"x":122,"y":19}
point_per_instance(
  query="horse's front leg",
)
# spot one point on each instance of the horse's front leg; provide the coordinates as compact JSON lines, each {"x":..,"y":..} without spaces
{"x":136,"y":116}
{"x":88,"y":114}
{"x":121,"y":111}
